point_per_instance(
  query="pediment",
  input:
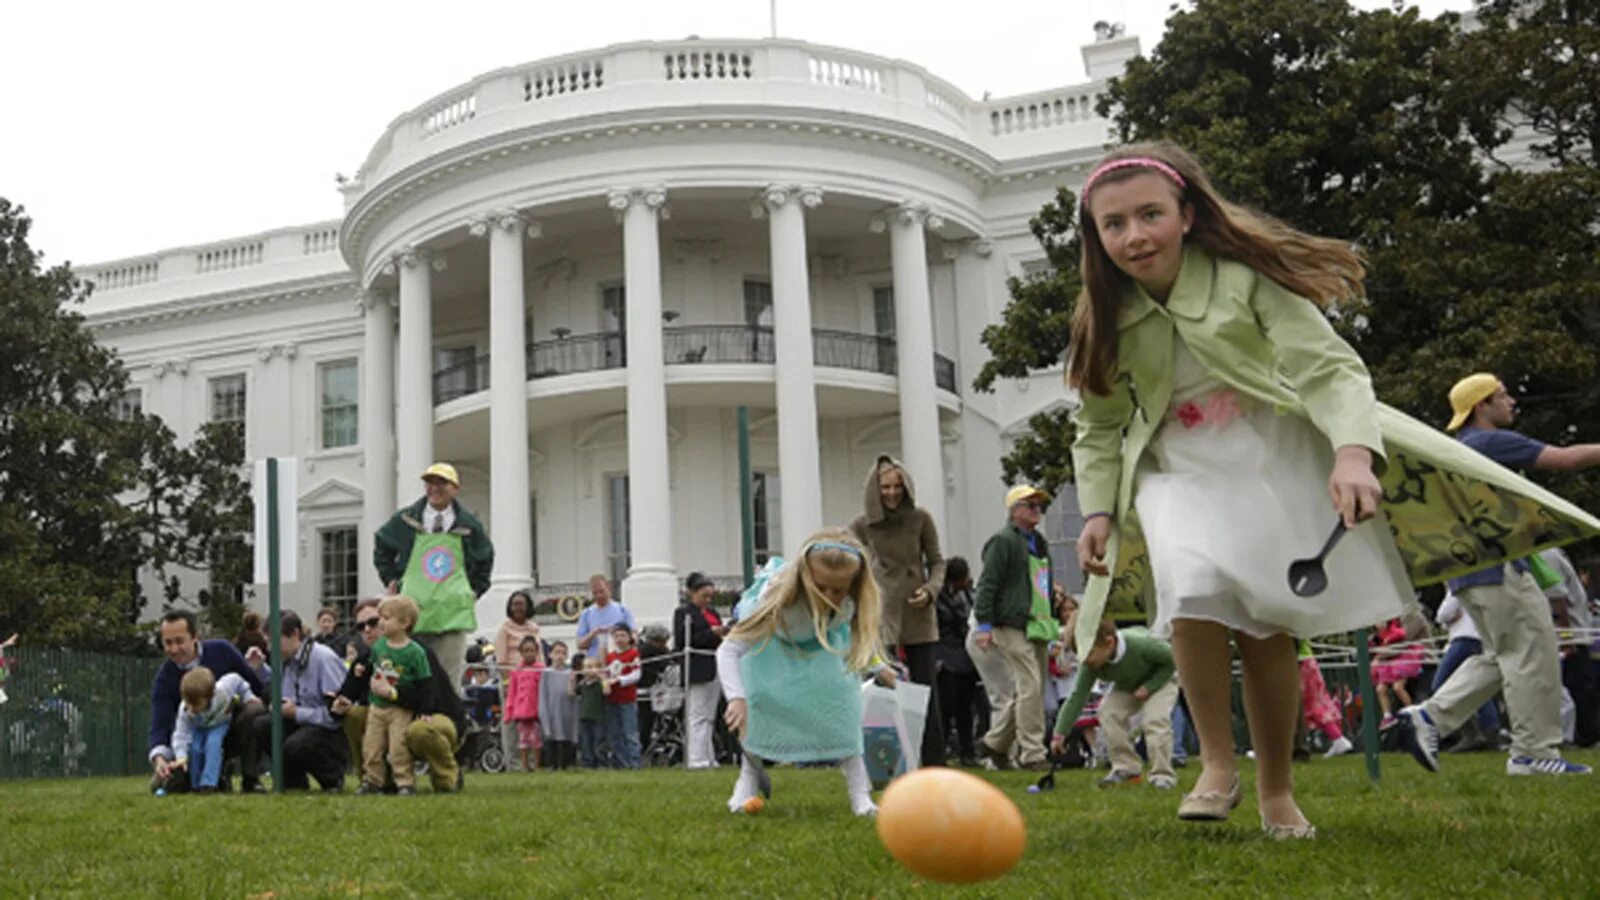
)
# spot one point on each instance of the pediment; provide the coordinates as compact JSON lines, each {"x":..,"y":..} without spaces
{"x":330,"y":493}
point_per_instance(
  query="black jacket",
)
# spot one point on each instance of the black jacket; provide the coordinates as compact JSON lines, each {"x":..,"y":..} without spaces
{"x":437,"y":696}
{"x":690,"y":628}
{"x":953,"y":609}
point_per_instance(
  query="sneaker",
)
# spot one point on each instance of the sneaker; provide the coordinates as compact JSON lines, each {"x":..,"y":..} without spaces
{"x":367,"y":789}
{"x":1420,"y":736}
{"x":995,"y":760}
{"x":1118,"y":778}
{"x":1527,"y":765}
{"x":1339,"y":748}
{"x":1163,"y":782}
{"x":407,"y":791}
{"x":1388,"y":722}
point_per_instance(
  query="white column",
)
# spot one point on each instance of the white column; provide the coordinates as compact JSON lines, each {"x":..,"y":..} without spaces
{"x":913,"y":326}
{"x":976,"y":465}
{"x":651,"y":587}
{"x":799,"y":461}
{"x":508,"y":415}
{"x":376,"y":429}
{"x":414,"y":419}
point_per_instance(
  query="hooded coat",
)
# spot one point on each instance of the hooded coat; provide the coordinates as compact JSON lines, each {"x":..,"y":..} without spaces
{"x":905,"y":556}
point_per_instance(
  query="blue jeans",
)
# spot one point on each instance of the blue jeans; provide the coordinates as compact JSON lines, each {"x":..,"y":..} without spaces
{"x":1459,"y":651}
{"x":622,"y":731}
{"x":591,"y":740}
{"x":1182,"y":731}
{"x":205,"y":755}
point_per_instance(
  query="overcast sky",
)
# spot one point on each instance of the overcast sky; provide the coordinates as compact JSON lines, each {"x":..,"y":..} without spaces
{"x":130,"y":127}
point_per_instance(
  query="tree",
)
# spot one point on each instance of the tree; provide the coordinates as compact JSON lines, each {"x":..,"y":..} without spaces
{"x":1376,"y":127}
{"x":91,"y":493}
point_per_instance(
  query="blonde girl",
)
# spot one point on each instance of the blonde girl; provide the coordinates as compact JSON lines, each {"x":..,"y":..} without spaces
{"x":1223,"y":423}
{"x":790,"y":668}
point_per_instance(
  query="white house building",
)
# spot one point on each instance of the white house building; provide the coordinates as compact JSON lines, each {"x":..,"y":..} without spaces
{"x":566,"y":276}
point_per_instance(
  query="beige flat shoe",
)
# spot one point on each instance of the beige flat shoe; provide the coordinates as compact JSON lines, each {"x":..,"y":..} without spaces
{"x":1210,"y":806}
{"x":1304,"y":832}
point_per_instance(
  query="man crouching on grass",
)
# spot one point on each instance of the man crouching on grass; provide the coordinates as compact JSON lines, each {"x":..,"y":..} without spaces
{"x":180,"y":640}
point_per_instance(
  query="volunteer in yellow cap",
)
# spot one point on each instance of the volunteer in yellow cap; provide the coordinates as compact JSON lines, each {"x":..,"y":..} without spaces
{"x":436,"y":552}
{"x":1475,"y":389}
{"x":1013,"y":612}
{"x":1507,"y":603}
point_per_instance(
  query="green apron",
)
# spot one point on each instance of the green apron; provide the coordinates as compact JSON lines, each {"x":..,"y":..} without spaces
{"x":1042,"y":626}
{"x":436,"y":577}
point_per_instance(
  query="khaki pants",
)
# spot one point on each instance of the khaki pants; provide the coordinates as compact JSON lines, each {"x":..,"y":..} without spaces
{"x":1155,"y":714}
{"x":1020,"y":721}
{"x":450,"y":647}
{"x":432,"y":738}
{"x":385,"y":740}
{"x":1519,"y":656}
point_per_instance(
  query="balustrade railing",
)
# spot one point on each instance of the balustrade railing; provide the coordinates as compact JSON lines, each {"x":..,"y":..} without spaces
{"x":1020,"y":114}
{"x":235,"y":257}
{"x":564,"y":78}
{"x":687,"y":345}
{"x":709,"y":65}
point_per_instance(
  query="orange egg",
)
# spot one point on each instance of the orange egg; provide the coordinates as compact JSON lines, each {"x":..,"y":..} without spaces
{"x":753,"y":806}
{"x":947,"y":825}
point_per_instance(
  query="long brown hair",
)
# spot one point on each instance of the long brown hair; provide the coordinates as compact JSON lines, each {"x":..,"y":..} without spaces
{"x":1323,"y":270}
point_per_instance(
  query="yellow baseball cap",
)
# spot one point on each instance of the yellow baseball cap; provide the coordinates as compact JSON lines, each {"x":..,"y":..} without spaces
{"x":442,"y":470}
{"x":1467,"y":394}
{"x":1025,"y":492}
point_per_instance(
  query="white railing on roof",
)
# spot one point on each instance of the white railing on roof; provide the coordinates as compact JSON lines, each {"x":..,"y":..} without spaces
{"x":844,"y":73}
{"x":450,"y":114}
{"x":1038,"y":111}
{"x":709,"y":65}
{"x":324,"y":240}
{"x":946,"y":102}
{"x":236,"y":256}
{"x":125,"y":276}
{"x":567,"y":77}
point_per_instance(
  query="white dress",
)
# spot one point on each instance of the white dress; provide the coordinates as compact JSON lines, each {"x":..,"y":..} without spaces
{"x":1231,"y":492}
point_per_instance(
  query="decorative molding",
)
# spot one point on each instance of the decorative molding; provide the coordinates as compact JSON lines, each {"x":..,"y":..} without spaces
{"x":562,"y":266}
{"x":227,"y":301}
{"x":505,"y":220}
{"x":288,"y":350}
{"x":332,"y":492}
{"x":178,"y":367}
{"x":685,"y":249}
{"x":410,"y":256}
{"x":980,"y":247}
{"x":776,"y":195}
{"x":369,"y":299}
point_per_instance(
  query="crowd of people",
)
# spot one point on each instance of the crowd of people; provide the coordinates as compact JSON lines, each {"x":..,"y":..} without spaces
{"x":1221,"y":419}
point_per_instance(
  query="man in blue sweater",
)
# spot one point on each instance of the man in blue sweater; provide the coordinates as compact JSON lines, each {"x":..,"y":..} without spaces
{"x":180,"y":640}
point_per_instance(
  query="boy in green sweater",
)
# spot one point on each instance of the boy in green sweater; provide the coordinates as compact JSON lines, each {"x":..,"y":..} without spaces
{"x":400,"y":673}
{"x":1140,"y":670}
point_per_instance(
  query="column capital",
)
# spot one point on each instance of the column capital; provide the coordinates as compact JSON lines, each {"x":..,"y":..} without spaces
{"x":776,"y":195}
{"x":653,"y":197}
{"x":410,"y":257}
{"x":910,"y":212}
{"x":371,"y":298}
{"x":508,"y":220}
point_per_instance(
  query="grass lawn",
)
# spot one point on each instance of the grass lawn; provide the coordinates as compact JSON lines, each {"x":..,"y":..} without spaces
{"x":1469,"y":831}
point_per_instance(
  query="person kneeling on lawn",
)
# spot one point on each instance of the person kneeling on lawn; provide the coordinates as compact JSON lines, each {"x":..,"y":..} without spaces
{"x":1140,"y":670}
{"x":312,"y":743}
{"x":434,"y":735}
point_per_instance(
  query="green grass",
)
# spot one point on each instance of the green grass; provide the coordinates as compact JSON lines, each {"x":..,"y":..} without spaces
{"x":1469,"y":831}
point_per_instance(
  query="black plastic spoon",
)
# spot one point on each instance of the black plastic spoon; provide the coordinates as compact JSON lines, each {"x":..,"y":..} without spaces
{"x":1307,"y":578}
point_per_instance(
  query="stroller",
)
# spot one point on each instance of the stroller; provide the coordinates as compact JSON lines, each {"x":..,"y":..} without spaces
{"x":665,"y":744}
{"x":480,"y":746}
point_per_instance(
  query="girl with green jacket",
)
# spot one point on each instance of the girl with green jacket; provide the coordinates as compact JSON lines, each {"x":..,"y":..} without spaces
{"x":1222,"y":425}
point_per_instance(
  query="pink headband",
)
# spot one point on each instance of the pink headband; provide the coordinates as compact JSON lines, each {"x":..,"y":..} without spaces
{"x":1131,"y":162}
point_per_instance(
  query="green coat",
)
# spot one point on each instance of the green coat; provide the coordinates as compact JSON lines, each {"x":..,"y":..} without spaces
{"x":391,"y":545}
{"x":1004,"y":597}
{"x":1146,"y":663}
{"x":1452,"y":509}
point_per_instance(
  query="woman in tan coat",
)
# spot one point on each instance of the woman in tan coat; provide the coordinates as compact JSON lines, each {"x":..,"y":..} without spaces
{"x":909,"y":569}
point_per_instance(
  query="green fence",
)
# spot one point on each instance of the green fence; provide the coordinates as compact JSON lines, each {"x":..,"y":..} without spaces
{"x":70,"y":713}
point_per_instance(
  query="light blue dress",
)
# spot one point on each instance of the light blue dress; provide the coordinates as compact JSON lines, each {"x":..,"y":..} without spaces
{"x":804,"y":704}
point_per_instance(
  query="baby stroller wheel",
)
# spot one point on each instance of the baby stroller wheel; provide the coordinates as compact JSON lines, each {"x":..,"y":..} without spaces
{"x":493,"y":759}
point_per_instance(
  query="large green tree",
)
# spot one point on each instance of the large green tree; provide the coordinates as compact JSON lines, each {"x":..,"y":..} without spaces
{"x":1386,"y":129}
{"x":91,"y":492}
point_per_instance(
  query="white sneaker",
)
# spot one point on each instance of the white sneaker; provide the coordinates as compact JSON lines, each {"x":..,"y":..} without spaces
{"x":1163,"y":782}
{"x":1339,"y":748}
{"x":863,"y":806}
{"x":1527,"y":765}
{"x":1420,"y":735}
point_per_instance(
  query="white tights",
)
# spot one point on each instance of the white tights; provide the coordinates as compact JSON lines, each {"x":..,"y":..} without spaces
{"x":856,"y":783}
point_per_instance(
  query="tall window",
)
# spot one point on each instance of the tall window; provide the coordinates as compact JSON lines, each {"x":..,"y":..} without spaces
{"x":883,"y":311}
{"x":758,"y":303}
{"x":458,"y":372}
{"x":614,"y":321}
{"x":619,"y":552}
{"x":339,"y":570}
{"x":766,"y":514}
{"x":227,"y":398}
{"x":339,"y":396}
{"x":130,"y":404}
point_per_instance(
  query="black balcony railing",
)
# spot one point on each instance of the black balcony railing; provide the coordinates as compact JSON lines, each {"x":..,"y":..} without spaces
{"x":688,"y":344}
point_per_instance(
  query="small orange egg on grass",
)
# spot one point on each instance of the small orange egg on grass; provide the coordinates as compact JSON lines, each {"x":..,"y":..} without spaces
{"x":753,"y":805}
{"x":946,"y":825}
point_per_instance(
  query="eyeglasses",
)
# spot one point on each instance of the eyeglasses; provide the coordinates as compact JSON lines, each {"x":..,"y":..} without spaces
{"x":368,"y":623}
{"x":1033,"y":505}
